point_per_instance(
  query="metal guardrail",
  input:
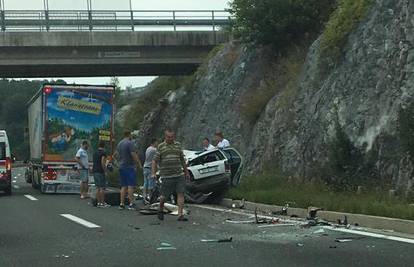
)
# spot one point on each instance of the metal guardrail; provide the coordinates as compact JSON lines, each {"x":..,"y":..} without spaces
{"x":104,"y":20}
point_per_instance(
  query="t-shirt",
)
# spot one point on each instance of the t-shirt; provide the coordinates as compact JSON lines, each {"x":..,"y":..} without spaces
{"x":170,"y":158}
{"x":149,"y":156}
{"x":223,"y":144}
{"x":209,"y":147}
{"x":82,"y":154}
{"x":97,"y":161}
{"x":125,"y":148}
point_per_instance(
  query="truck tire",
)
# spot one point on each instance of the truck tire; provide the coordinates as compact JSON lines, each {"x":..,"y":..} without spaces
{"x":35,"y":180}
{"x":27,"y":176}
{"x":8,"y":190}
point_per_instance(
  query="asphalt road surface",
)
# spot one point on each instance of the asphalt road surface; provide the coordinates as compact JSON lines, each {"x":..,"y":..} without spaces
{"x":63,"y":230}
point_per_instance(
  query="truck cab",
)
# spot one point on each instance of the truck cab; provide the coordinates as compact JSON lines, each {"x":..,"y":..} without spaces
{"x":5,"y":163}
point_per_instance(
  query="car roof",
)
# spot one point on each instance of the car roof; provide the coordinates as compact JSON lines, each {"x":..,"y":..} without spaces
{"x":192,"y":154}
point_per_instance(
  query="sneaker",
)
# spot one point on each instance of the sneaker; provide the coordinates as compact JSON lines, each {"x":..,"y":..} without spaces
{"x":182,"y":218}
{"x":105,"y":205}
{"x":161,"y":215}
{"x":121,"y":207}
{"x":131,"y":207}
{"x":99,"y":205}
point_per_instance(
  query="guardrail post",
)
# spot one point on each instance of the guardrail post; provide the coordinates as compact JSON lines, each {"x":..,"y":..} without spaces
{"x":174,"y":22}
{"x":3,"y":21}
{"x":214,"y":27}
{"x":90,"y":20}
{"x":47,"y":20}
{"x":132,"y":21}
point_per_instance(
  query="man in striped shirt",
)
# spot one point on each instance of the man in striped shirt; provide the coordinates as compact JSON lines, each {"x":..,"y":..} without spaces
{"x":173,"y":172}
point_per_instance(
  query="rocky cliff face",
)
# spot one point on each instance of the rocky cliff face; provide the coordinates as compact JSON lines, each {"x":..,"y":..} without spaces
{"x":362,"y":98}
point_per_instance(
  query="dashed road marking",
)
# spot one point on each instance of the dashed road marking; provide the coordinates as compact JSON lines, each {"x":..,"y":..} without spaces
{"x":80,"y":221}
{"x":31,"y":197}
{"x":16,"y":187}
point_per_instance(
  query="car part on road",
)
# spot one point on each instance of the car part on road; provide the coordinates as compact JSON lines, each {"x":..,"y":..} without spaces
{"x":240,"y":222}
{"x":224,"y":240}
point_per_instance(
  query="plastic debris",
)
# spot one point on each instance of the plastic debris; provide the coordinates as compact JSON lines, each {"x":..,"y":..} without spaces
{"x":166,"y":246}
{"x":240,"y":222}
{"x":343,"y":240}
{"x":273,"y":225}
{"x":224,"y":240}
{"x":319,"y":231}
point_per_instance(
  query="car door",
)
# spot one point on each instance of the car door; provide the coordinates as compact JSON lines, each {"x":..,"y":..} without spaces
{"x":208,"y":165}
{"x":235,"y":161}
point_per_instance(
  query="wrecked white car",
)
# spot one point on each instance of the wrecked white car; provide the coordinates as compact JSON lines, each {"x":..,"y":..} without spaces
{"x":212,"y":173}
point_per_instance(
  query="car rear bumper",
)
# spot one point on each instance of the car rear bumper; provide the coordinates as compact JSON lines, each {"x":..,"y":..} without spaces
{"x":210,"y":184}
{"x":5,"y":183}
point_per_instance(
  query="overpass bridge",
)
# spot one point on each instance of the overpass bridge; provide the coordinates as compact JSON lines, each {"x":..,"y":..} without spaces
{"x":107,"y":43}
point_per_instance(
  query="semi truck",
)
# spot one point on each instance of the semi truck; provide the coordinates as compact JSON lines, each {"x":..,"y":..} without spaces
{"x":60,"y":118}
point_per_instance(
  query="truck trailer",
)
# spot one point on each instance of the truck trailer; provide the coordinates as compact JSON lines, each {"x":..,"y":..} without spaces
{"x":60,"y":117}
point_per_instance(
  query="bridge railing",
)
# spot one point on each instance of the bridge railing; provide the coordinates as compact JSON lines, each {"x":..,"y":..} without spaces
{"x":119,"y":20}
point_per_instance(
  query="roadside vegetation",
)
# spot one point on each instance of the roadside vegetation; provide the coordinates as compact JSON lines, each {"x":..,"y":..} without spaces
{"x":14,"y":95}
{"x":342,"y":22}
{"x":271,"y":22}
{"x":277,"y":189}
{"x":150,"y":99}
{"x":281,"y":82}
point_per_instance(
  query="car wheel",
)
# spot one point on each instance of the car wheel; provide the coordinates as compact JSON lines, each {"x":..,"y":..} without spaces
{"x":216,"y":197}
{"x":8,"y":190}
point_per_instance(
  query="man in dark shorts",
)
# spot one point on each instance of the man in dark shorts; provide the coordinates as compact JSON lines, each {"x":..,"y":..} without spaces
{"x":173,"y":172}
{"x":128,"y":162}
{"x":99,"y":168}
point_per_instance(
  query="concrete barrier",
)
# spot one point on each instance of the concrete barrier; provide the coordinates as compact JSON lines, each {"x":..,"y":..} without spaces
{"x":375,"y":222}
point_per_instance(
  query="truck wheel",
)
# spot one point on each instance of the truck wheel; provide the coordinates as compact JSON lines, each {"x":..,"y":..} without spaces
{"x":27,"y":176}
{"x":8,"y":190}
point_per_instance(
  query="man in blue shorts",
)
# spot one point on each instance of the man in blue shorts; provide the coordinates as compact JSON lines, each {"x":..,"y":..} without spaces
{"x":128,"y":162}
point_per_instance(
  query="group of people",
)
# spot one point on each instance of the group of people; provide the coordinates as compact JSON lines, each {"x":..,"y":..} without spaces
{"x":166,"y":157}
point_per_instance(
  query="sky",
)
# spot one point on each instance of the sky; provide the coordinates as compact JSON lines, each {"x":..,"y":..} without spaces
{"x":116,"y":5}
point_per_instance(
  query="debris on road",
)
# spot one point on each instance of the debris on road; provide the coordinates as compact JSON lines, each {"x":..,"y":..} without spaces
{"x":283,"y":212}
{"x":312,"y":213}
{"x":240,"y":222}
{"x":300,"y":245}
{"x":280,"y":224}
{"x":343,"y":240}
{"x":166,"y":246}
{"x":319,"y":231}
{"x":168,"y":208}
{"x":224,"y":240}
{"x":238,"y":204}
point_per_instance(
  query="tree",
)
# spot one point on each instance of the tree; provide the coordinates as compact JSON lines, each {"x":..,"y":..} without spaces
{"x":278,"y":22}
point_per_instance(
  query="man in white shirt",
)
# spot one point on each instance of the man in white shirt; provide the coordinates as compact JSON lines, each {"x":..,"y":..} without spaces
{"x":206,"y":145}
{"x":221,"y":142}
{"x":83,"y":168}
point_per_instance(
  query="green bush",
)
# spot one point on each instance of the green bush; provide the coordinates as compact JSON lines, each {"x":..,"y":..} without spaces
{"x":278,"y":22}
{"x":342,"y":22}
{"x":281,"y":80}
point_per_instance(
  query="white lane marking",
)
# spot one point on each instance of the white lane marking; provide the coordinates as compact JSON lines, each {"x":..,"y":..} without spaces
{"x":31,"y":197}
{"x":14,"y":181}
{"x":363,"y":233}
{"x":80,"y":221}
{"x":16,"y":187}
{"x":356,"y":232}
